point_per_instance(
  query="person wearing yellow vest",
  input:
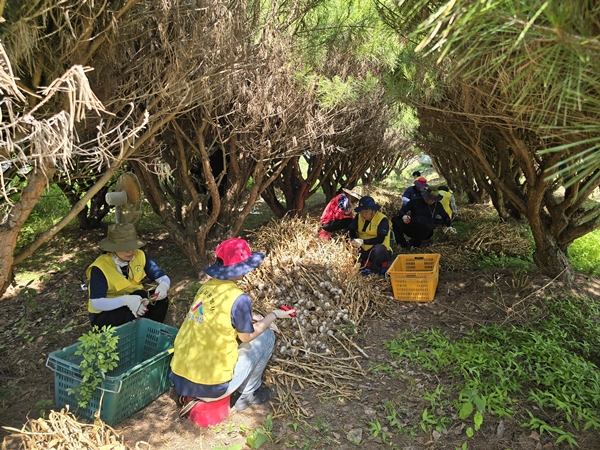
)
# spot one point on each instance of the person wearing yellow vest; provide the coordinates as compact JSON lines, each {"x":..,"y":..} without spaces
{"x":370,"y":232}
{"x":448,"y":202}
{"x":208,"y":362}
{"x":116,"y":292}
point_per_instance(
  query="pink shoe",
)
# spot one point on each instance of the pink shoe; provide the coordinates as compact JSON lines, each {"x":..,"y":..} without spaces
{"x":325,"y":235}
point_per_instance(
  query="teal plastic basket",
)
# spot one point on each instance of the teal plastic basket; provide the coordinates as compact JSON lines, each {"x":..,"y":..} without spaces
{"x":145,"y":351}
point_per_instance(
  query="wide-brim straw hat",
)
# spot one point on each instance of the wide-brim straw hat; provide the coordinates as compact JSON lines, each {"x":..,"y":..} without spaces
{"x":121,"y":238}
{"x":356,"y":192}
{"x":234,"y":260}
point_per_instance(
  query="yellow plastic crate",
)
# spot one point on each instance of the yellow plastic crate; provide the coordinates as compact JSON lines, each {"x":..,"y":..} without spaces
{"x":415,"y":277}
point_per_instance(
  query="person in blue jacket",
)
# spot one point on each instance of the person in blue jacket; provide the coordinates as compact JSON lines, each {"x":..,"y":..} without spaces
{"x":415,"y":191}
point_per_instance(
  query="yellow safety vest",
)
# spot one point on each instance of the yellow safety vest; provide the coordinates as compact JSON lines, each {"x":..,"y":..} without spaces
{"x":206,"y":348}
{"x":117,"y":284}
{"x":371,"y":231}
{"x":445,"y":201}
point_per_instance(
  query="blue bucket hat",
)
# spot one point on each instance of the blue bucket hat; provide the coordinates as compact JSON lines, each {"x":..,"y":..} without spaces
{"x":367,"y":203}
{"x":234,"y":259}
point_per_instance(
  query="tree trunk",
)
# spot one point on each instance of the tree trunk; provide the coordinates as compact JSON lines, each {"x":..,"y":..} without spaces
{"x":271,"y":200}
{"x":10,"y":229}
{"x":551,"y":258}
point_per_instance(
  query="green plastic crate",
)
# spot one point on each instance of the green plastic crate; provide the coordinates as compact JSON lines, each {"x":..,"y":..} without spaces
{"x":141,"y":376}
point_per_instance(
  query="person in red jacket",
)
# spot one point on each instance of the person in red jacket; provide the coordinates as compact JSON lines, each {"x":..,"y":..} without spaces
{"x":337,"y":215}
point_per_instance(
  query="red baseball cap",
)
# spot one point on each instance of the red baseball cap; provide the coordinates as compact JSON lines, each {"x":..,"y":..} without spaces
{"x":421,"y":183}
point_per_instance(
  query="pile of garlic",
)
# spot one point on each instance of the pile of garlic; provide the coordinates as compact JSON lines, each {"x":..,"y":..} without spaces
{"x":322,"y":311}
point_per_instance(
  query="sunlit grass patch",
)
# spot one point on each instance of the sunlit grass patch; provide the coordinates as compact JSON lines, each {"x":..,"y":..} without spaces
{"x":584,"y":253}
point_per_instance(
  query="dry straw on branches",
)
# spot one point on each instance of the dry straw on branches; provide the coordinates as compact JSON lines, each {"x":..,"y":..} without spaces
{"x":62,"y":431}
{"x":321,"y":280}
{"x":499,"y":238}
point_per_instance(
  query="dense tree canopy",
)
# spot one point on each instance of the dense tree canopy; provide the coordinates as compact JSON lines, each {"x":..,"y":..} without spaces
{"x":505,"y":94}
{"x":214,"y":105}
{"x":223,"y":106}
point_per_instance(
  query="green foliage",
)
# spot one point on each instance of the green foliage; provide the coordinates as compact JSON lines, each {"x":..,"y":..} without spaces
{"x":349,"y":27}
{"x":27,"y":294}
{"x":549,"y":363}
{"x":261,"y":435}
{"x":337,"y":91}
{"x":504,"y":262}
{"x":99,"y":352}
{"x":42,"y":404}
{"x":52,"y":207}
{"x":584,"y":253}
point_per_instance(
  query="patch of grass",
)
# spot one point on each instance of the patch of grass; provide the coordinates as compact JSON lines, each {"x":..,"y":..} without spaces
{"x":503,"y":262}
{"x":52,"y":207}
{"x":584,"y":253}
{"x":548,"y":365}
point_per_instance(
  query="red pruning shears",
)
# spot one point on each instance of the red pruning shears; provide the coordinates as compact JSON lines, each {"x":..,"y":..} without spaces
{"x":289,"y":308}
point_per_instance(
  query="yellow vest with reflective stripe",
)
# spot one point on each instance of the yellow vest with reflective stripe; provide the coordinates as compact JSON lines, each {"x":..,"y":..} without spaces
{"x":371,"y":231}
{"x":445,"y":201}
{"x":117,"y":284}
{"x":206,"y":348}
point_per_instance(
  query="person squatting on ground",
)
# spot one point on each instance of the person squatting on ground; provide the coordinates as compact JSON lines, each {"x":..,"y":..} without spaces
{"x":116,"y":293}
{"x":208,"y":361}
{"x":370,"y":232}
{"x":337,"y":215}
{"x":416,"y":219}
{"x":414,"y":192}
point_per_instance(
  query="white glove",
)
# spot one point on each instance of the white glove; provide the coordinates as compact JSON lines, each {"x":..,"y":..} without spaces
{"x":281,"y":314}
{"x":161,"y":290}
{"x":406,"y":219}
{"x":357,"y":242}
{"x":450,"y":230}
{"x":134,"y":303}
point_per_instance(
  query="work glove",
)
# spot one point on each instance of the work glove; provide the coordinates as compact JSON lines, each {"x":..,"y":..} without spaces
{"x":357,"y":242}
{"x":406,"y":219}
{"x":161,"y":290}
{"x":450,"y":230}
{"x":281,"y":314}
{"x":135,"y":305}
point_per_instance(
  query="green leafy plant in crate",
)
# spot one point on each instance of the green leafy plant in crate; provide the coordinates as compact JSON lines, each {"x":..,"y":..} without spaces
{"x":99,"y":351}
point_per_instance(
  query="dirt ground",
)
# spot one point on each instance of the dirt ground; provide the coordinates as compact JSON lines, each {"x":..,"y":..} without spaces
{"x":33,"y":327}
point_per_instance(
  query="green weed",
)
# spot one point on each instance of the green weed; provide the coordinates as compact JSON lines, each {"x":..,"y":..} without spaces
{"x":28,"y":295}
{"x":549,"y":362}
{"x":42,"y":404}
{"x":100,"y":356}
{"x":503,"y":262}
{"x":261,"y":435}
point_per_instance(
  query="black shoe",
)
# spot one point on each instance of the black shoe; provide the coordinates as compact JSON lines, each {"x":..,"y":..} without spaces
{"x":402,"y":244}
{"x":260,"y":396}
